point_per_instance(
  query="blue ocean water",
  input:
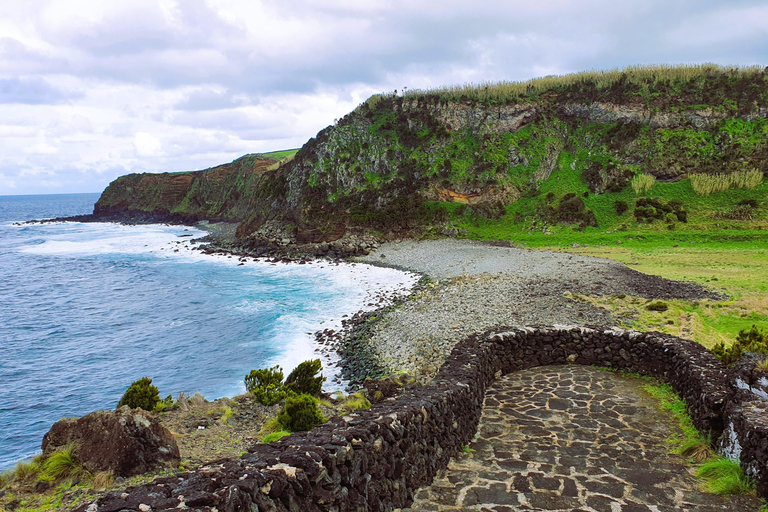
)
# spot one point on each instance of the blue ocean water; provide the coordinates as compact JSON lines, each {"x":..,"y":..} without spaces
{"x":88,"y":308}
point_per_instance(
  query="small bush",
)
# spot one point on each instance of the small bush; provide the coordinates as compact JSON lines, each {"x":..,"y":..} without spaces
{"x":264,"y":377}
{"x":300,"y":413}
{"x":620,"y":207}
{"x":658,"y":305}
{"x":303,"y":380}
{"x":753,"y":340}
{"x":141,"y":394}
{"x":165,"y":404}
{"x":650,"y":209}
{"x":724,"y":476}
{"x":266,"y":385}
{"x":269,"y":395}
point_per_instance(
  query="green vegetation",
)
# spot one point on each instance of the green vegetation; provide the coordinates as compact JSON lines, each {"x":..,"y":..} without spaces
{"x":642,"y":183}
{"x":353,"y":402}
{"x":720,"y":475}
{"x":300,"y":413}
{"x":141,"y":394}
{"x":266,"y":385}
{"x":706,"y":185}
{"x":304,"y":379}
{"x":274,"y":436}
{"x":689,"y":439}
{"x":648,"y":83}
{"x":279,"y":155}
{"x":62,"y":464}
{"x":754,"y":341}
{"x":723,"y":476}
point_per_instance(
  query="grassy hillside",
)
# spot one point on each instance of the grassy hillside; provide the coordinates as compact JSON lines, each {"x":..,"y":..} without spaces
{"x":557,"y":160}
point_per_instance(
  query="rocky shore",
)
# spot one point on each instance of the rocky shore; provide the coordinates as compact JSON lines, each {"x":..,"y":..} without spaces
{"x":478,"y":286}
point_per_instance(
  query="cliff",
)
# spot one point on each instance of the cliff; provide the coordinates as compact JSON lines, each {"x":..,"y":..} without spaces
{"x":400,"y":163}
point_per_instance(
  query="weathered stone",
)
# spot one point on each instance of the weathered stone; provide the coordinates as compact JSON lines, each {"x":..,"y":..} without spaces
{"x":126,"y":442}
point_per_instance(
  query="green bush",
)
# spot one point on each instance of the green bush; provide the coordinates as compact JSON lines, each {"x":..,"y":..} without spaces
{"x":658,"y":305}
{"x":300,"y":413}
{"x":266,"y":385}
{"x":620,"y":207}
{"x":753,"y":340}
{"x":141,"y":394}
{"x":303,"y":380}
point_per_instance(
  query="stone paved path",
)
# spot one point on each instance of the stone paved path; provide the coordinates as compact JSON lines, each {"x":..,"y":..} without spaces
{"x":568,"y":438}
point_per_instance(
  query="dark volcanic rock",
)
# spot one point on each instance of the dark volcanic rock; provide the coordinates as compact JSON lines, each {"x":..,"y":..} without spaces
{"x":126,"y":442}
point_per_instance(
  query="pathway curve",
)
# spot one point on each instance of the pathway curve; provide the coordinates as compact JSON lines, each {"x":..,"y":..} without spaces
{"x":571,"y":438}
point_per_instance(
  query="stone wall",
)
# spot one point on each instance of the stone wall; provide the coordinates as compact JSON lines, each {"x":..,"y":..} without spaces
{"x":375,"y":459}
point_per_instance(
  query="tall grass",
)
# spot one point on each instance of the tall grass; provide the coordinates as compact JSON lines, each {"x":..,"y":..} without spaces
{"x":62,"y":464}
{"x":603,"y":79}
{"x":723,"y":476}
{"x":708,"y":184}
{"x":642,"y":183}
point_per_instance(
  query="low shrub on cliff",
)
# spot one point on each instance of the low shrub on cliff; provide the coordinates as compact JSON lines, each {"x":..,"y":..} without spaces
{"x":300,"y":413}
{"x":303,"y":378}
{"x":266,"y":384}
{"x":141,"y":394}
{"x":753,"y":340}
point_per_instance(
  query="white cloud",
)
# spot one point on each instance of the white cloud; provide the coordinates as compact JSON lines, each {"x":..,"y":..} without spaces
{"x":146,"y":144}
{"x":92,"y":89}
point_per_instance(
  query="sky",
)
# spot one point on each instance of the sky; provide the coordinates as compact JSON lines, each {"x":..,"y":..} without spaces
{"x":94,"y":89}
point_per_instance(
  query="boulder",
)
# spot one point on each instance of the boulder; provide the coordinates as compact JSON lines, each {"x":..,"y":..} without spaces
{"x":126,"y":441}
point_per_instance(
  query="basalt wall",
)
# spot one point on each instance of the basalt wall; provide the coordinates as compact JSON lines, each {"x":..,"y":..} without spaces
{"x":375,"y":459}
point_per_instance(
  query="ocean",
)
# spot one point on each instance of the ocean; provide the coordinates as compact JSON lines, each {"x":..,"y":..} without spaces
{"x":88,"y":308}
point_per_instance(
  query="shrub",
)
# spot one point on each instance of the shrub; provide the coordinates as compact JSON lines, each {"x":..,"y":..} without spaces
{"x":300,"y":413}
{"x":642,"y":183}
{"x":620,"y":207}
{"x":650,"y":209}
{"x":269,"y":395}
{"x":657,"y":306}
{"x":266,"y":385}
{"x":753,"y":340}
{"x":166,"y":403}
{"x":302,"y":379}
{"x":141,"y":394}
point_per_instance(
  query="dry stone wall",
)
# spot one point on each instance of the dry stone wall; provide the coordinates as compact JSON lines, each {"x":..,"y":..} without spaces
{"x":375,"y":460}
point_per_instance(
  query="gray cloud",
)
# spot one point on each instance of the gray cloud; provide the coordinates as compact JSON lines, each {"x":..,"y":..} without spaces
{"x":207,"y":81}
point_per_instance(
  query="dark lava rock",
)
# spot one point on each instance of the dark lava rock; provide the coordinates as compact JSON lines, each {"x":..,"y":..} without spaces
{"x":126,"y":442}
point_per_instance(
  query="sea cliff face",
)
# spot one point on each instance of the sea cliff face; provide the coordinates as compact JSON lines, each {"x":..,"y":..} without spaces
{"x":395,"y":162}
{"x":228,"y":192}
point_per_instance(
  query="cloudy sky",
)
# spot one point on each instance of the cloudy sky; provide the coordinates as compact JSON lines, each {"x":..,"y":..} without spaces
{"x":92,"y":89}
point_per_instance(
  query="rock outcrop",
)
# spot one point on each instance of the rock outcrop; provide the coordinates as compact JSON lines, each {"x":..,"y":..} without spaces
{"x":126,"y":442}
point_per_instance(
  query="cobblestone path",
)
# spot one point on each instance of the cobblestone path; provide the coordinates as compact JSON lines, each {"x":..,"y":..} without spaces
{"x":571,"y":438}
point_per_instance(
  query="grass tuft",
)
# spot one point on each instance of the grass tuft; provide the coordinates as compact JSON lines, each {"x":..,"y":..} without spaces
{"x":62,"y":464}
{"x":274,"y":436}
{"x":642,"y":183}
{"x":707,"y":184}
{"x":723,"y":476}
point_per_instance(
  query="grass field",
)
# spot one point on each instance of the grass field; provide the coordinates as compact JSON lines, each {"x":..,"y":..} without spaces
{"x":712,"y":248}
